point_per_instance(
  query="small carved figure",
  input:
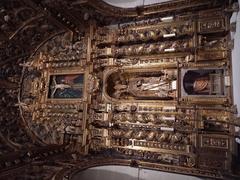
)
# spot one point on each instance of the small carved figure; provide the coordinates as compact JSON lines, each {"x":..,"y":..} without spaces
{"x":190,"y":162}
{"x":128,"y":134}
{"x":189,"y":58}
{"x":163,"y":137}
{"x":186,"y":140}
{"x":176,"y":138}
{"x":138,"y":118}
{"x":93,"y":83}
{"x":147,"y":117}
{"x":169,"y":159}
{"x":120,"y":89}
{"x":139,"y":135}
{"x":150,"y":136}
{"x":117,"y":117}
{"x":101,"y":124}
{"x":117,"y":133}
{"x":127,"y":61}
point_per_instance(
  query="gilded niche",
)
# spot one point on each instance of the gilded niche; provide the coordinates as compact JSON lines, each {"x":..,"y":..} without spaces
{"x":159,"y":85}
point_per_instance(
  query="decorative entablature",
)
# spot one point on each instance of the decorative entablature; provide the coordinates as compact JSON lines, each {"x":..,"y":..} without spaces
{"x":159,"y":9}
{"x":129,"y":45}
{"x":173,"y":26}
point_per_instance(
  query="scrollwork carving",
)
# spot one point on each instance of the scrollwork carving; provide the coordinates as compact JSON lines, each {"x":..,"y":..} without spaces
{"x":93,"y":84}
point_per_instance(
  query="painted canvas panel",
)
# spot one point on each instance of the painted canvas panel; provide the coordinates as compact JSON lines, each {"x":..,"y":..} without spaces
{"x":204,"y":82}
{"x":66,"y":86}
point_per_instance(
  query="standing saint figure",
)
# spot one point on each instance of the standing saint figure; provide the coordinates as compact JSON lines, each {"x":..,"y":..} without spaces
{"x":119,"y":89}
{"x":156,"y":87}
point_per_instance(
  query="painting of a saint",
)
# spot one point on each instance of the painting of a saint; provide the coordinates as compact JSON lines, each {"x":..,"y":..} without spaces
{"x":203,"y":82}
{"x":66,"y":86}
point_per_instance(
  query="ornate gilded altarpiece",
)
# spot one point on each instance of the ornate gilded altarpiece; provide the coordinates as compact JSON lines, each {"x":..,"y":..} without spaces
{"x":153,"y":92}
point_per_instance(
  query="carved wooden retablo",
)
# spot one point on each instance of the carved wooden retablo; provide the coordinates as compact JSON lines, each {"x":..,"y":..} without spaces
{"x":139,"y":89}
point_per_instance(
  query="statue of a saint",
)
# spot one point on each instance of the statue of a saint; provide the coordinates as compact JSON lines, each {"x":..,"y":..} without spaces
{"x":153,"y":87}
{"x":158,"y":86}
{"x":119,"y":89}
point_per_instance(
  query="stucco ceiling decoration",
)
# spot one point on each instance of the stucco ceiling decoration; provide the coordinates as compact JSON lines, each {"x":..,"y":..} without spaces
{"x":133,"y":3}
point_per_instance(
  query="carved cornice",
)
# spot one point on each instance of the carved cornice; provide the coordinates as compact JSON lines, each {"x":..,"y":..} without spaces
{"x":162,"y":8}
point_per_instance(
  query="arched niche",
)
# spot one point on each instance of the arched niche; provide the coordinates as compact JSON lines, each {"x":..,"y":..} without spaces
{"x":113,"y":172}
{"x":139,"y":84}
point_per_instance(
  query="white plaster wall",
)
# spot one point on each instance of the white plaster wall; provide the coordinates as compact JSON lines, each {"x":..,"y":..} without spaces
{"x":132,"y":3}
{"x":125,"y":3}
{"x":108,"y":173}
{"x":128,"y":173}
{"x":236,"y":61}
{"x":146,"y":174}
